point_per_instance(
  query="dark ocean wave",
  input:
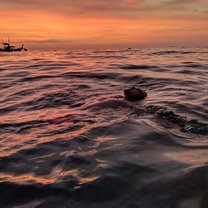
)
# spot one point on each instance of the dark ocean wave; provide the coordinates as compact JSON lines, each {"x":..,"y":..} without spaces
{"x":186,"y":125}
{"x":139,"y":67}
{"x":170,"y":52}
{"x":85,"y":75}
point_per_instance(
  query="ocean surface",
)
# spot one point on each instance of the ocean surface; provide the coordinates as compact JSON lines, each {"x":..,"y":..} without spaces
{"x":69,"y":140}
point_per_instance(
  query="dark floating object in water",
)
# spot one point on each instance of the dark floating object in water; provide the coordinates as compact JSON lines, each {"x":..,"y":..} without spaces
{"x":134,"y":94}
{"x":7,"y":47}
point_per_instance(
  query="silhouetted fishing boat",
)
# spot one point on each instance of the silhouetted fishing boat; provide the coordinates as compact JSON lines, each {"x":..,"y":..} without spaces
{"x":7,"y":47}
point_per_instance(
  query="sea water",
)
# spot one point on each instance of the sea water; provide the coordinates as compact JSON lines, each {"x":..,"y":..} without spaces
{"x":67,"y":141}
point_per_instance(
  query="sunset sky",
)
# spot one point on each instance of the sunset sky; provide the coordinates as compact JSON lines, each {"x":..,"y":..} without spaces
{"x":98,"y":23}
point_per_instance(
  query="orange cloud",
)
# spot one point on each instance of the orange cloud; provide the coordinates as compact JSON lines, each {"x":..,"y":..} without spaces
{"x":95,"y":23}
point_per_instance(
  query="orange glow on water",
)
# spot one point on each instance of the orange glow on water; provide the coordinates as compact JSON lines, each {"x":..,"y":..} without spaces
{"x":104,"y":139}
{"x":87,"y":179}
{"x":26,"y":179}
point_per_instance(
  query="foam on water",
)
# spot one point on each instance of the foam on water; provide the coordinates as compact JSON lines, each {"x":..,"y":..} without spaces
{"x":69,"y":139}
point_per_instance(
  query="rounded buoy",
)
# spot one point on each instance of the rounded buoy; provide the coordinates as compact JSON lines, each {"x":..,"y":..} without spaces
{"x":134,"y":94}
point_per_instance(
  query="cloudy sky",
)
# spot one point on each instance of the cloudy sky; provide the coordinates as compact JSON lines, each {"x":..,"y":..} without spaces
{"x":102,"y":23}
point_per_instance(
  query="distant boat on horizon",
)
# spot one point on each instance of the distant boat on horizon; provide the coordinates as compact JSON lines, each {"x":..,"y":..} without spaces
{"x":7,"y":47}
